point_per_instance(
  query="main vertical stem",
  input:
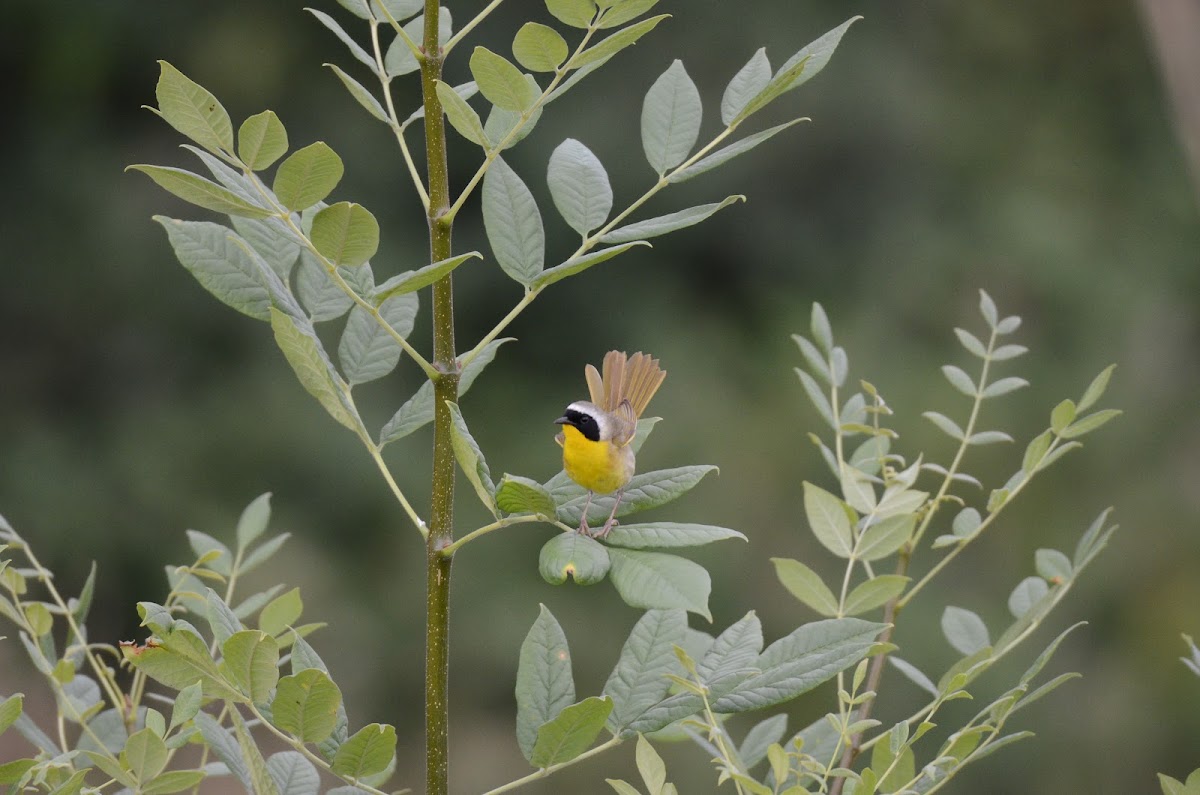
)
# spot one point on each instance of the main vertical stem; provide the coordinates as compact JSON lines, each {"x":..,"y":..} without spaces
{"x":441,"y":525}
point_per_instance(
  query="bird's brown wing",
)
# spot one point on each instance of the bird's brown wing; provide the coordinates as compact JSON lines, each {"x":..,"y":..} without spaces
{"x":626,"y":424}
{"x":613,"y":370}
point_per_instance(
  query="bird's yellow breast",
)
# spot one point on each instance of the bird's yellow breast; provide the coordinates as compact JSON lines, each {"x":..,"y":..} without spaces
{"x":602,"y":466}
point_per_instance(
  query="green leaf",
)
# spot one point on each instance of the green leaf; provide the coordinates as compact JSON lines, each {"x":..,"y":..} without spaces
{"x":253,"y":521}
{"x":507,"y":128}
{"x":959,"y":380}
{"x":815,"y":55}
{"x":1096,"y":389}
{"x":1004,"y":386}
{"x":763,"y":735}
{"x":579,"y":186}
{"x":874,"y":593}
{"x":200,"y":191}
{"x":261,"y":554}
{"x":573,"y":555}
{"x":661,"y":225}
{"x":72,"y":786}
{"x":361,"y":94}
{"x":186,"y":705}
{"x":1062,"y":416}
{"x":293,"y":774}
{"x":965,"y":630}
{"x":10,"y":710}
{"x":971,"y":343}
{"x":367,"y":752}
{"x":727,"y":663}
{"x":306,"y":705}
{"x":901,"y":770}
{"x":1028,"y":592}
{"x":579,"y":264}
{"x":345,"y":234}
{"x":671,"y":114}
{"x":307,"y":176}
{"x":806,"y":585}
{"x":501,"y":83}
{"x":623,"y":11}
{"x":513,"y":223}
{"x":260,"y":777}
{"x":748,"y":83}
{"x":225,"y":748}
{"x":222,"y":267}
{"x":800,"y":661}
{"x":462,"y":116}
{"x":625,"y":37}
{"x":539,"y":48}
{"x":516,"y":494}
{"x":271,"y":239}
{"x":650,"y":766}
{"x":180,"y":658}
{"x":144,"y":755}
{"x":576,"y":13}
{"x":944,"y":424}
{"x":12,"y":772}
{"x":202,"y":544}
{"x":417,"y":411}
{"x":656,"y":580}
{"x":1089,"y":423}
{"x":666,"y":535}
{"x":1092,"y":541}
{"x":639,"y":679}
{"x":320,"y":295}
{"x":281,"y":612}
{"x":303,"y":352}
{"x":887,"y":536}
{"x":411,"y":281}
{"x":223,"y":621}
{"x":399,"y":10}
{"x":1171,"y":786}
{"x":262,"y":140}
{"x":174,"y":781}
{"x":367,"y":351}
{"x":251,"y":660}
{"x":544,"y":681}
{"x":193,"y":110}
{"x":470,"y":458}
{"x":829,"y":520}
{"x":644,"y":491}
{"x":355,"y":48}
{"x":1053,"y":565}
{"x":914,"y":675}
{"x":399,"y":59}
{"x":570,"y":733}
{"x":727,"y":153}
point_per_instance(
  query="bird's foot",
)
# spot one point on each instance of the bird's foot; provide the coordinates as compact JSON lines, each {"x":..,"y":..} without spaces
{"x":604,"y":531}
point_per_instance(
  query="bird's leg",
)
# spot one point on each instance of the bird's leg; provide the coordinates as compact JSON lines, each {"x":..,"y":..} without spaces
{"x":583,"y":525}
{"x":612,"y":517}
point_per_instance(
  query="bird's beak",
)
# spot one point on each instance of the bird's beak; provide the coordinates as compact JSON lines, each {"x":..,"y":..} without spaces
{"x":562,"y":421}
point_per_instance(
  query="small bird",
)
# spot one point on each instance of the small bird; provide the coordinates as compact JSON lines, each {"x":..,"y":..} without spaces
{"x":597,"y":434}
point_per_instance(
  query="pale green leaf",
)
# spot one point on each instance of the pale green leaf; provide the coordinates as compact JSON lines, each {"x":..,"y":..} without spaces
{"x":303,"y":351}
{"x":513,"y":223}
{"x":639,"y":679}
{"x":1053,"y":565}
{"x":306,"y":705}
{"x":763,"y":735}
{"x":262,"y":140}
{"x":253,"y":521}
{"x":362,"y":95}
{"x":500,"y":82}
{"x":193,"y":110}
{"x":650,"y":766}
{"x":618,"y":41}
{"x":806,"y":585}
{"x":944,"y":424}
{"x":281,"y":612}
{"x":748,"y":83}
{"x":345,"y":234}
{"x":671,"y":113}
{"x":462,"y":116}
{"x":399,"y":10}
{"x":623,"y":11}
{"x":411,"y":281}
{"x":293,"y":774}
{"x":815,"y":55}
{"x":539,"y":48}
{"x":1096,"y":389}
{"x":367,"y":351}
{"x":573,"y":555}
{"x":272,"y":240}
{"x":644,"y":491}
{"x":579,"y":264}
{"x":571,"y":732}
{"x":913,"y":674}
{"x":661,"y":225}
{"x":144,"y":755}
{"x":1028,"y":592}
{"x":250,"y":661}
{"x":874,"y":593}
{"x":367,"y":752}
{"x":579,"y":186}
{"x":10,"y":710}
{"x":727,"y":153}
{"x":1089,"y":423}
{"x":307,"y":176}
{"x":1004,"y":386}
{"x":355,"y":48}
{"x":187,"y":704}
{"x":886,"y":536}
{"x":223,"y":621}
{"x":665,"y":535}
{"x":201,"y":192}
{"x":470,"y":458}
{"x":959,"y":380}
{"x":180,"y":658}
{"x":576,"y":13}
{"x":656,"y":580}
{"x":516,"y":494}
{"x":965,"y":630}
{"x":545,"y":684}
{"x":828,"y":519}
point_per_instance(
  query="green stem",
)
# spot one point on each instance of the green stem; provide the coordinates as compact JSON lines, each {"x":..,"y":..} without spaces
{"x":385,"y":83}
{"x":512,"y":785}
{"x":445,"y":392}
{"x":498,"y":525}
{"x":377,"y":455}
{"x":482,"y":15}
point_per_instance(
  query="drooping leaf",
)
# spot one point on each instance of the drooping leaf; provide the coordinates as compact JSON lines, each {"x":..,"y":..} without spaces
{"x":671,"y":113}
{"x":367,"y":351}
{"x":513,"y":223}
{"x":576,"y":556}
{"x":1028,"y":592}
{"x":462,"y":117}
{"x":656,"y":580}
{"x":302,"y":349}
{"x":913,"y":674}
{"x":470,"y":458}
{"x":362,"y":95}
{"x":201,"y":192}
{"x":579,"y":186}
{"x":355,"y":48}
{"x":545,"y":684}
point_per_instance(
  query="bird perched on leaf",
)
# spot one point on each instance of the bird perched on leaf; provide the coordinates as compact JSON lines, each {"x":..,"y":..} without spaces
{"x":597,"y":435}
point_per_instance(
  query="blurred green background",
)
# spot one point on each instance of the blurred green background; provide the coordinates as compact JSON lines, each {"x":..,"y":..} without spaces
{"x":1022,"y":147}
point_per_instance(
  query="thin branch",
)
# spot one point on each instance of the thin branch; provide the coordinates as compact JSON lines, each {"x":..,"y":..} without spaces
{"x":385,"y":82}
{"x":546,"y":771}
{"x":457,"y":37}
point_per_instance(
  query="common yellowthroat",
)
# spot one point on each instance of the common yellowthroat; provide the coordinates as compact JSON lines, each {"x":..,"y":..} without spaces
{"x":597,"y":434}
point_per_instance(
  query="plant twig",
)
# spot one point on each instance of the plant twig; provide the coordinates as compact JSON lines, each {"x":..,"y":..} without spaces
{"x":546,"y":771}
